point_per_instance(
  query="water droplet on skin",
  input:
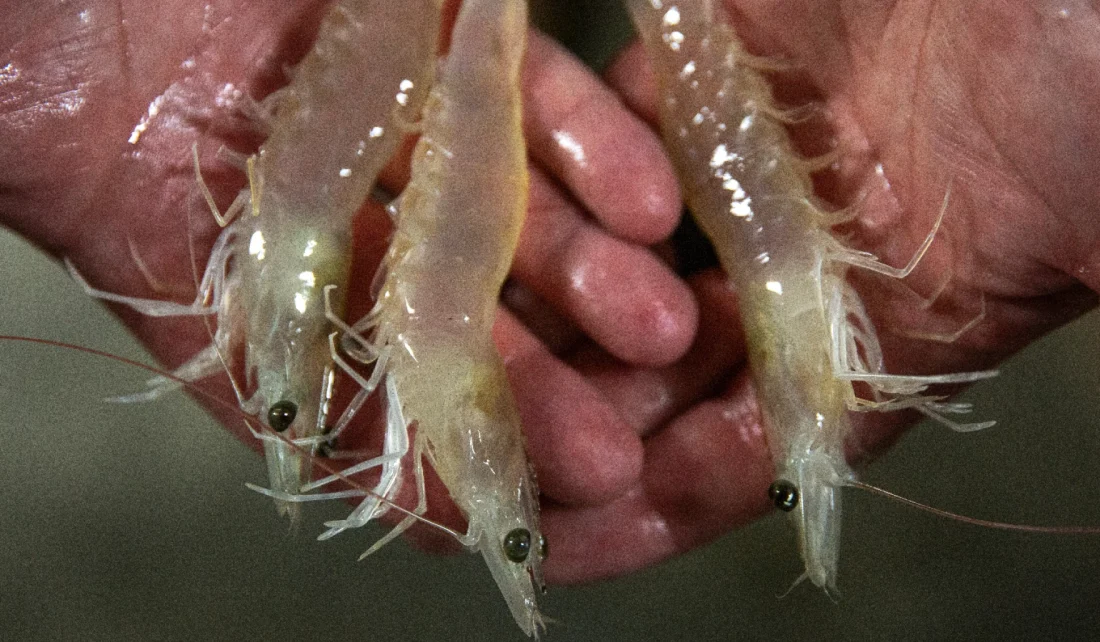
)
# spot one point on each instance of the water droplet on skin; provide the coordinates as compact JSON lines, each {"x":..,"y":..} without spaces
{"x":571,"y":146}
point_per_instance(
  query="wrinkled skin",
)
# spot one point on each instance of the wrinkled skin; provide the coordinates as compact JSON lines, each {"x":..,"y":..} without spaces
{"x":999,"y":100}
{"x":640,"y":418}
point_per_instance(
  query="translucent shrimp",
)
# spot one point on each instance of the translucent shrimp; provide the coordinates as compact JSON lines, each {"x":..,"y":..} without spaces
{"x":809,"y":337}
{"x":276,"y":275}
{"x":458,"y":224}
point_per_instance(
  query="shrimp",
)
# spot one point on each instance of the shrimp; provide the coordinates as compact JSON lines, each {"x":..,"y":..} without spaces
{"x":276,"y":274}
{"x":458,"y":224}
{"x":809,"y":336}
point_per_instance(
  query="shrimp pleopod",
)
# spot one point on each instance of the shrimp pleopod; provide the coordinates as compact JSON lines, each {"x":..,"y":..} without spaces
{"x":809,"y":338}
{"x":276,"y":275}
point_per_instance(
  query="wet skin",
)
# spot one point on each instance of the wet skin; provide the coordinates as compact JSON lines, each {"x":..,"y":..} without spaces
{"x":639,"y":415}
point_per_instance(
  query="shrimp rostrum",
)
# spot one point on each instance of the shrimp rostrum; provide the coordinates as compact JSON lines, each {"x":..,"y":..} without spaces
{"x":809,"y":338}
{"x":276,"y":275}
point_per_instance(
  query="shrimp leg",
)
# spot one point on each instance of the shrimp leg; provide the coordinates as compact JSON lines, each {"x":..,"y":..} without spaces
{"x":396,"y":446}
{"x":155,"y":307}
{"x":205,"y":364}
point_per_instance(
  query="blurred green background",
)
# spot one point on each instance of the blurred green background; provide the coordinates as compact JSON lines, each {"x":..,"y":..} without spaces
{"x":133,"y":523}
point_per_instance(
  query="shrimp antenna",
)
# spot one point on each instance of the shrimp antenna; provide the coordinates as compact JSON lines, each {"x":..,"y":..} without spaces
{"x":1004,"y":526}
{"x":248,"y":419}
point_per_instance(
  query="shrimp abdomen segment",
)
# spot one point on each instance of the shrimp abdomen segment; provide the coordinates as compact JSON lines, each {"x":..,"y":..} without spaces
{"x":469,"y":172}
{"x":339,"y":120}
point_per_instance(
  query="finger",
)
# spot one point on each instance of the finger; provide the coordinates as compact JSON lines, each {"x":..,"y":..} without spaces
{"x":631,"y":76}
{"x":647,"y":398}
{"x":582,"y":452}
{"x":606,"y":156}
{"x":551,"y":328}
{"x":619,"y":294}
{"x":705,"y":475}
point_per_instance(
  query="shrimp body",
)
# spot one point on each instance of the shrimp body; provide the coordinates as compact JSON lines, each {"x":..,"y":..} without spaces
{"x":457,"y":228}
{"x":807,"y":333}
{"x":277,"y":273}
{"x":335,"y":127}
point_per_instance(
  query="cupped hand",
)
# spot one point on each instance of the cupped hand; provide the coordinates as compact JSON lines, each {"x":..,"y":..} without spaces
{"x":100,"y":106}
{"x":642,"y":453}
{"x":995,"y":103}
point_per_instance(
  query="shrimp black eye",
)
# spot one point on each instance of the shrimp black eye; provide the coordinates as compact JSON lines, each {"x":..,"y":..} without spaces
{"x":517,"y":545}
{"x":326,"y":448}
{"x":280,"y":415}
{"x":544,"y":547}
{"x":784,"y":495}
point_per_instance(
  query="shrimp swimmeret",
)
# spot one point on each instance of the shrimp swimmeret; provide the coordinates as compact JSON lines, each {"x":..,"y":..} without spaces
{"x":809,"y":337}
{"x":276,"y":275}
{"x":458,"y":224}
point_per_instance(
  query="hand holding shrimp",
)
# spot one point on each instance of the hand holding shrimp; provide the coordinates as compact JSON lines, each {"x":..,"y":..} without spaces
{"x":583,"y":452}
{"x":73,"y":187}
{"x":706,"y":467}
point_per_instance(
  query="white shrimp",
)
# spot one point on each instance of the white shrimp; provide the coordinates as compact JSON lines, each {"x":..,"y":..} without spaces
{"x":808,"y":335}
{"x":458,"y":224}
{"x":276,"y":275}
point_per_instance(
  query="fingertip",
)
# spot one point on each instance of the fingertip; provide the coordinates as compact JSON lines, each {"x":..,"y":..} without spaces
{"x":648,"y":397}
{"x":607,"y":157}
{"x":627,"y":300}
{"x":583,"y":454}
{"x":619,"y":293}
{"x":600,"y":542}
{"x":631,"y":76}
{"x":705,"y":474}
{"x":709,"y":470}
{"x":654,"y":204}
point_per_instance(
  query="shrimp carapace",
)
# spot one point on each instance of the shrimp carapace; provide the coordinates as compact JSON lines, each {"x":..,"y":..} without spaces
{"x":809,"y":338}
{"x":276,"y":275}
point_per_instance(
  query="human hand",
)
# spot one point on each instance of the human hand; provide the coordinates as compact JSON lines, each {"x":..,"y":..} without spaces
{"x":101,"y":106}
{"x":995,"y":101}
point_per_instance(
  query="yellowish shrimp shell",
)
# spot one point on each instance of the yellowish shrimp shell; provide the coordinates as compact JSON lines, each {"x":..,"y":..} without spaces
{"x":276,"y":276}
{"x":809,"y":338}
{"x":458,"y":224}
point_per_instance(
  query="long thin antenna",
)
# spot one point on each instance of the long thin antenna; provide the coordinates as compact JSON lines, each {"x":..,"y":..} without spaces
{"x":1004,"y":526}
{"x":248,"y":419}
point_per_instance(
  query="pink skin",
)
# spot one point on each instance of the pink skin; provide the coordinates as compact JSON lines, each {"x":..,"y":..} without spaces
{"x":642,"y":424}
